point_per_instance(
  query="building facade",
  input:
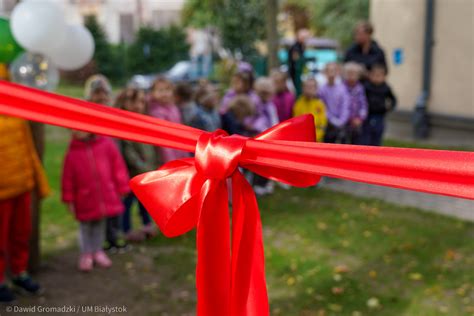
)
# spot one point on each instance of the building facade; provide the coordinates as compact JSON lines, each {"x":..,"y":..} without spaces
{"x":400,"y":27}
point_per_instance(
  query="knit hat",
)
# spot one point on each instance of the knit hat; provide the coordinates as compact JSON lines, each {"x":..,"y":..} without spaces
{"x":95,"y":83}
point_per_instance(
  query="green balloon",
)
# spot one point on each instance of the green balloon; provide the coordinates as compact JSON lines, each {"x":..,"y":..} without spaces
{"x":9,"y":48}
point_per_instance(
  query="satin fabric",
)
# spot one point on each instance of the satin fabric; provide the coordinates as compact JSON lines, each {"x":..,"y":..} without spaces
{"x":230,"y":272}
{"x":432,"y":171}
{"x":200,"y":201}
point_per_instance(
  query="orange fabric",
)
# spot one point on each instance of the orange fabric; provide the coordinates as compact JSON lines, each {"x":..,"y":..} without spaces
{"x":21,"y":170}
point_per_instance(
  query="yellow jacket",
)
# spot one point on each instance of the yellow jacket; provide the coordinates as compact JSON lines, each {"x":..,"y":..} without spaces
{"x":316,"y":107}
{"x":20,"y":168}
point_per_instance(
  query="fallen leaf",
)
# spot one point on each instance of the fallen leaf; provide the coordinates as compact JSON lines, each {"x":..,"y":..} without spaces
{"x":322,"y":226}
{"x":335,"y":307}
{"x":373,"y":303}
{"x":372,"y":274}
{"x":444,"y":309}
{"x":337,"y":290}
{"x":415,"y":276}
{"x":342,"y":268}
{"x":291,"y":281}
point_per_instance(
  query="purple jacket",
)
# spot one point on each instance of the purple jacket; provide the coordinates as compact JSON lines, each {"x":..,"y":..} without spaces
{"x":358,"y":101}
{"x":284,"y":102}
{"x":337,"y":102}
{"x":230,"y":94}
{"x":266,"y":116}
{"x":167,"y":112}
{"x":94,"y":178}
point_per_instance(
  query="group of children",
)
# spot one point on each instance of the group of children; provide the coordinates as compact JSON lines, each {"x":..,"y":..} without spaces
{"x":97,"y":169}
{"x":348,"y":109}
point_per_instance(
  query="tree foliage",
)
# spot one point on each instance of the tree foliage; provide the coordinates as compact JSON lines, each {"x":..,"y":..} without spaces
{"x":109,"y":59}
{"x":157,"y":50}
{"x":336,"y":18}
{"x":240,"y":22}
{"x":201,"y":13}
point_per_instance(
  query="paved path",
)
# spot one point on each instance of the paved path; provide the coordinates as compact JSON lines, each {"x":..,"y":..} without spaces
{"x":455,"y":207}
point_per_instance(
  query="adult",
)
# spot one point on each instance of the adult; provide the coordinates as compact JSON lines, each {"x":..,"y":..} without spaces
{"x":201,"y":43}
{"x":20,"y":175}
{"x":296,"y":60}
{"x":365,"y":50}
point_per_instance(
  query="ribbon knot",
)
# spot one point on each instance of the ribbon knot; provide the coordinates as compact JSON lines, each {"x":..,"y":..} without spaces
{"x":192,"y":193}
{"x":217,"y":154}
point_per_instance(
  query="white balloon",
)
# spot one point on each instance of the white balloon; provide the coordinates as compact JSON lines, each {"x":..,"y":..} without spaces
{"x":76,"y":49}
{"x":38,"y":25}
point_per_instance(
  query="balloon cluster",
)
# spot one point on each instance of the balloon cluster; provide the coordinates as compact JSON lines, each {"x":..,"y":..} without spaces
{"x":49,"y":42}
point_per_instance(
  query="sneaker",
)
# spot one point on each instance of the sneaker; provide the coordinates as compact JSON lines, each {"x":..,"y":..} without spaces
{"x":259,"y":190}
{"x":26,"y":284}
{"x":6,"y":295}
{"x":135,"y":236}
{"x":86,"y":262}
{"x":284,"y":186}
{"x":102,"y":260}
{"x":150,"y":231}
{"x":122,"y":246}
{"x":270,"y":187}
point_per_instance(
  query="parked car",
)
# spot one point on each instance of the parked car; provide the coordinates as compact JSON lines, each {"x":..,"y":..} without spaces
{"x":181,"y":71}
{"x":318,"y":52}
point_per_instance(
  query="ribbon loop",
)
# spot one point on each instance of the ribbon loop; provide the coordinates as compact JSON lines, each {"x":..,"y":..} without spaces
{"x":217,"y":154}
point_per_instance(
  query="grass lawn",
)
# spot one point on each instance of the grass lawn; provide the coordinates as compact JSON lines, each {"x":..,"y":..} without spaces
{"x":327,"y":253}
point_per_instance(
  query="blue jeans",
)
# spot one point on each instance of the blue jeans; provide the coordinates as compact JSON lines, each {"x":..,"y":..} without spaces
{"x":126,"y":217}
{"x":372,"y":130}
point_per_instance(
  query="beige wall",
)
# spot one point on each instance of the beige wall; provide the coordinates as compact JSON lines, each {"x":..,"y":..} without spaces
{"x":400,"y":24}
{"x":452,"y":83}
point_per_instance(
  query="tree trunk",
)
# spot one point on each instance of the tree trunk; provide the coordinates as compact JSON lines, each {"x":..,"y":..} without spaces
{"x":272,"y":33}
{"x":37,"y":131}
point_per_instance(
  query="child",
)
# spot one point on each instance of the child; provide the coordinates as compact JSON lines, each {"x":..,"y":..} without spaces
{"x":283,"y":98}
{"x":94,"y":179}
{"x":335,"y":96}
{"x":381,"y":100}
{"x":161,"y":106}
{"x":183,"y":97}
{"x":207,"y":98}
{"x":358,"y":102}
{"x":139,"y":158}
{"x":98,"y":90}
{"x":21,"y":174}
{"x":241,"y":84}
{"x":309,"y":103}
{"x":266,"y":114}
{"x":240,"y":109}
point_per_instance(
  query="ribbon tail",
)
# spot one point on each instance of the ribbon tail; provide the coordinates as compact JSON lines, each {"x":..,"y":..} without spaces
{"x":249,"y":291}
{"x":213,"y":247}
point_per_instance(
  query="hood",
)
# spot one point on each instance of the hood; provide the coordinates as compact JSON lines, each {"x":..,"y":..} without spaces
{"x":77,"y":144}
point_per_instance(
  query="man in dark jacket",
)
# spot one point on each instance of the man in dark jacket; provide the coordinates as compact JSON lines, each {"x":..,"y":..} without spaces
{"x":380,"y":100}
{"x":296,"y":60}
{"x":365,"y":50}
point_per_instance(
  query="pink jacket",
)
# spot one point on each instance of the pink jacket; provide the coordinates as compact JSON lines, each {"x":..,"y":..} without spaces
{"x":94,"y":178}
{"x":168,"y":112}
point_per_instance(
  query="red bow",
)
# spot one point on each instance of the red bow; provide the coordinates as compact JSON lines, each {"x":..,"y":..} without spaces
{"x":197,"y":196}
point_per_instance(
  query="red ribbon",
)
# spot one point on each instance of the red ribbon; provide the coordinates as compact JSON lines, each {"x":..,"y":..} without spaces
{"x":230,"y":273}
{"x":226,"y":284}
